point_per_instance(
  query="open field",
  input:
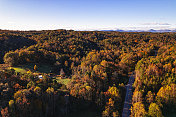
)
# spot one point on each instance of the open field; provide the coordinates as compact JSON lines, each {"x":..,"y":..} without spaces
{"x":19,"y":69}
{"x":63,"y":81}
{"x":171,"y":115}
{"x":24,"y":68}
{"x":40,"y":68}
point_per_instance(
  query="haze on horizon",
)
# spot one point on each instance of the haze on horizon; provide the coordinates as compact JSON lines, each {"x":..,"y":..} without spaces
{"x":87,"y":14}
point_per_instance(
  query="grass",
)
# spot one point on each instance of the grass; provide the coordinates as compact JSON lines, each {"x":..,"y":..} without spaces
{"x":171,"y":115}
{"x":40,"y":68}
{"x":43,"y":68}
{"x":19,"y":69}
{"x":63,"y":81}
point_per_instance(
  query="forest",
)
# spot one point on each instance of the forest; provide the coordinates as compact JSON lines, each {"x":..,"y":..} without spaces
{"x":67,"y":73}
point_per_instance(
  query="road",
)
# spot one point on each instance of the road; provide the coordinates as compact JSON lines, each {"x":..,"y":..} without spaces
{"x":128,"y":97}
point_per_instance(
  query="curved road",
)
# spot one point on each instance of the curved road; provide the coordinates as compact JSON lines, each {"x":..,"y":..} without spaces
{"x":128,"y":97}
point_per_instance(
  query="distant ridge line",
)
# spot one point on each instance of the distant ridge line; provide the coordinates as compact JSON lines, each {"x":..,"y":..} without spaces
{"x":116,"y":30}
{"x":151,"y":30}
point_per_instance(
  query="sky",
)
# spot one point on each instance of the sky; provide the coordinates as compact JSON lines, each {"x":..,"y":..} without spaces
{"x":87,"y":14}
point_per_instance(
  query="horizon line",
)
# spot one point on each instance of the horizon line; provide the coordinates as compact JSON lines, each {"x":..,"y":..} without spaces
{"x":99,"y":29}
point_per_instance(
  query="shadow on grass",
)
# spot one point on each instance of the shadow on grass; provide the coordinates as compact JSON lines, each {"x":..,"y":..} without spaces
{"x":43,"y":68}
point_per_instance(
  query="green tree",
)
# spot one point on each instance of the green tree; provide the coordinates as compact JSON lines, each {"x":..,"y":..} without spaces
{"x":11,"y":58}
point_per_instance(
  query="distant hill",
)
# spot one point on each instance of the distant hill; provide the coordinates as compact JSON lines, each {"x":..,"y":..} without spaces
{"x":151,"y":30}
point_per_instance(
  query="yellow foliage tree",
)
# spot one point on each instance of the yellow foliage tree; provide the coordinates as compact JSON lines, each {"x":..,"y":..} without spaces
{"x":138,"y":110}
{"x":104,"y":63}
{"x":114,"y":92}
{"x":154,"y":110}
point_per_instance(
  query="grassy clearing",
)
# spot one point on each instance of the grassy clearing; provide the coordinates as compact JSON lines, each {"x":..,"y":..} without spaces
{"x":63,"y":81}
{"x":19,"y":69}
{"x":171,"y":115}
{"x":40,"y":68}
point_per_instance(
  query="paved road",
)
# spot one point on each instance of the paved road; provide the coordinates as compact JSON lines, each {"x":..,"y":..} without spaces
{"x":128,"y":97}
{"x":129,"y":93}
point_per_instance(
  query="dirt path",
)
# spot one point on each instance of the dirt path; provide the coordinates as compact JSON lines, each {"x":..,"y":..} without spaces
{"x":128,"y":97}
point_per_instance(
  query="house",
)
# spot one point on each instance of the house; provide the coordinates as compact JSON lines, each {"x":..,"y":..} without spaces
{"x":40,"y":77}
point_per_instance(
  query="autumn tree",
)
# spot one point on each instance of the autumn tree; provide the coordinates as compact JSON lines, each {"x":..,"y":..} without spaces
{"x":137,"y":96}
{"x":5,"y":112}
{"x":35,"y":67}
{"x":11,"y":58}
{"x":149,"y":97}
{"x":138,"y":110}
{"x":154,"y":110}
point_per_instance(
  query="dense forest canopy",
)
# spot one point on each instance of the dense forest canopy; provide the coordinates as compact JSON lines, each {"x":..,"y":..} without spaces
{"x":97,"y":66}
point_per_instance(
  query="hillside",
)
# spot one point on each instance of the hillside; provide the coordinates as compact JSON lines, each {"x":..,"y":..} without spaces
{"x":86,"y":71}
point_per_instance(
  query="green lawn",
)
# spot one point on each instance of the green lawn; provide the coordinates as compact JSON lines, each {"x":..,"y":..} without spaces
{"x":19,"y":69}
{"x":171,"y":115}
{"x":40,"y":68}
{"x":43,"y":68}
{"x":63,"y":81}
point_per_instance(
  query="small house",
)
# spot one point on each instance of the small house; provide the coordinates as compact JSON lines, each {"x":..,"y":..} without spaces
{"x":40,"y":77}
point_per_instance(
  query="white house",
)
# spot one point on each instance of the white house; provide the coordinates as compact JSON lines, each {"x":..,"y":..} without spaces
{"x":40,"y":77}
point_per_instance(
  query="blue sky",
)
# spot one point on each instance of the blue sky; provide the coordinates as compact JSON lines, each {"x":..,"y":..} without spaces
{"x":87,"y":14}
